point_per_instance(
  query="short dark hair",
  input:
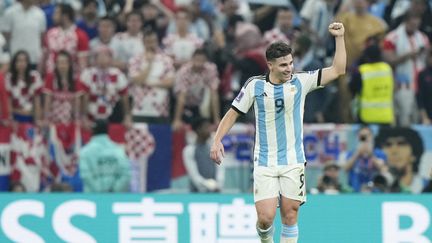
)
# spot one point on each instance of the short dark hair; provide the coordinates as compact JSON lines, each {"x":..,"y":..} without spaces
{"x":372,"y":54}
{"x":410,"y":15}
{"x":411,"y":136}
{"x":109,"y":19}
{"x":200,"y":51}
{"x":198,"y":122}
{"x":100,"y":127}
{"x":148,"y":31}
{"x":136,"y":13}
{"x":86,"y":3}
{"x":278,"y":49}
{"x":67,"y":10}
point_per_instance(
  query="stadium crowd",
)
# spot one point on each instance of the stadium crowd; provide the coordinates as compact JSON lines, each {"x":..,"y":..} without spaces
{"x":170,"y":62}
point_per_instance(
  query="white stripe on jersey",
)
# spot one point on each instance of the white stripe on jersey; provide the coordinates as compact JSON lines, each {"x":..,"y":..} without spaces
{"x":279,"y":117}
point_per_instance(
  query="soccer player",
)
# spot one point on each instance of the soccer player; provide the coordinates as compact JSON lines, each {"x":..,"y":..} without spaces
{"x":279,"y":159}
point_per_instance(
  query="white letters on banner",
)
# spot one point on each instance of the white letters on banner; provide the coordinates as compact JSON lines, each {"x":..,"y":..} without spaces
{"x":391,"y":214}
{"x":60,"y":221}
{"x":10,"y":220}
{"x":142,"y":222}
{"x":236,"y":222}
{"x":62,"y":217}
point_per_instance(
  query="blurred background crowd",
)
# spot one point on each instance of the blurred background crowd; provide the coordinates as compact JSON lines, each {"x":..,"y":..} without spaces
{"x":156,"y":76}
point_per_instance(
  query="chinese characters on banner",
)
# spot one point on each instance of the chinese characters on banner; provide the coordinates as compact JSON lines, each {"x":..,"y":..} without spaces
{"x":209,"y":222}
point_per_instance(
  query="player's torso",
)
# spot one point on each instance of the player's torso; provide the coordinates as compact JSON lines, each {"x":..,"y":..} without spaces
{"x":277,"y":102}
{"x":279,"y":115}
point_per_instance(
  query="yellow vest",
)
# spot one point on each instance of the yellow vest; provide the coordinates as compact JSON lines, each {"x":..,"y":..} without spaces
{"x":376,"y":97}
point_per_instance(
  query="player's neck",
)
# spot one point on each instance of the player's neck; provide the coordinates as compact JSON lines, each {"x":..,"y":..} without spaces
{"x":275,"y":80}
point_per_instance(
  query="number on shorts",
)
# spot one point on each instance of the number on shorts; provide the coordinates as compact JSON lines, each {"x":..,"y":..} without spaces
{"x":279,"y":103}
{"x":302,"y":176}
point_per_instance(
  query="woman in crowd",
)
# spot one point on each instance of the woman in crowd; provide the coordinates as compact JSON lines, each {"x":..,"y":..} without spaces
{"x":62,"y":92}
{"x":23,"y":87}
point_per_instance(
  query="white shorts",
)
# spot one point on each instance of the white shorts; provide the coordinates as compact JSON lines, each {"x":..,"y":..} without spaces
{"x":289,"y":181}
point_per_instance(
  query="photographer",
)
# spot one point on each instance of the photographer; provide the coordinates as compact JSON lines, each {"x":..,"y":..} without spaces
{"x":365,"y":162}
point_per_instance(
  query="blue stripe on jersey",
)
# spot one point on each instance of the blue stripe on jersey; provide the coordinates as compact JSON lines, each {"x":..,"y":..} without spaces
{"x":280,"y":125}
{"x":298,"y":122}
{"x":263,"y":145}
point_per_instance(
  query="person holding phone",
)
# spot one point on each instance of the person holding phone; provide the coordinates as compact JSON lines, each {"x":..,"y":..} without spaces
{"x":364,"y":162}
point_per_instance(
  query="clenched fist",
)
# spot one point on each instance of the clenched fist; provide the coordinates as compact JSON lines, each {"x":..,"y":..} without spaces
{"x":336,"y":29}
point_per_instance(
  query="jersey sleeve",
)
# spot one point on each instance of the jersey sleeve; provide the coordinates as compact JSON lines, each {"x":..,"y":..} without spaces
{"x":310,"y":80}
{"x":244,"y":99}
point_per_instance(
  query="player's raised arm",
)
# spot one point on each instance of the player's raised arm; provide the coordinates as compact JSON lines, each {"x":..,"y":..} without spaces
{"x":217,"y":149}
{"x":339,"y":61}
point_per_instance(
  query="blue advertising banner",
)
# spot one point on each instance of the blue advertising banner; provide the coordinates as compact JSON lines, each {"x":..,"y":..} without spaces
{"x":209,"y":218}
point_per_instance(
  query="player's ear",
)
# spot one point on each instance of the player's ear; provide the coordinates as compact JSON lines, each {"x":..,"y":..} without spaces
{"x":269,"y":64}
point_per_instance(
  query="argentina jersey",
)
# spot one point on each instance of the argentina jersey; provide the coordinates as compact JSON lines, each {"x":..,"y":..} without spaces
{"x":278,"y":116}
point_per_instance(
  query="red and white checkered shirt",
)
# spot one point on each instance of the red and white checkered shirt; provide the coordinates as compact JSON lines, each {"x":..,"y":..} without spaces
{"x":181,"y":48}
{"x":22,"y":96}
{"x":62,"y":102}
{"x":194,"y":83}
{"x":73,"y":40}
{"x":105,"y":88}
{"x":274,"y":35}
{"x":148,"y":100}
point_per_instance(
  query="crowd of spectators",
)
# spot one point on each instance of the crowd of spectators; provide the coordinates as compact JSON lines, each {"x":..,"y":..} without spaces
{"x":170,"y":61}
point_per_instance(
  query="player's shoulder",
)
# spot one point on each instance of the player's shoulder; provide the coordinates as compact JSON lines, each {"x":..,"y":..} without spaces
{"x":252,"y":80}
{"x":304,"y":74}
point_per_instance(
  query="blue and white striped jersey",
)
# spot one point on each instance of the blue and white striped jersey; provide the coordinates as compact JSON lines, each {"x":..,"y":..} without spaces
{"x":278,"y":116}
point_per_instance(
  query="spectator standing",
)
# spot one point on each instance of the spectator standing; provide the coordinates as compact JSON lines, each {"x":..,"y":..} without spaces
{"x":191,"y":87}
{"x":63,"y":92}
{"x":89,"y":18}
{"x":405,"y":48}
{"x":24,"y":88}
{"x":374,"y":85}
{"x":103,"y":165}
{"x":359,"y":25}
{"x":105,"y":85}
{"x":24,"y":25}
{"x":152,"y":76}
{"x":198,"y":26}
{"x":317,"y":15}
{"x":284,"y":29}
{"x":129,"y":43}
{"x":66,"y":36}
{"x":181,"y":44}
{"x":106,"y":30}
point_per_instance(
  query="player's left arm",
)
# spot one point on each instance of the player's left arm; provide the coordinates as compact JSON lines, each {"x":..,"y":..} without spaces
{"x":338,"y":67}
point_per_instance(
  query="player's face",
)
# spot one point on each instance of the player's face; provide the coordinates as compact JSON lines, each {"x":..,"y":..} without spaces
{"x":282,"y":67}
